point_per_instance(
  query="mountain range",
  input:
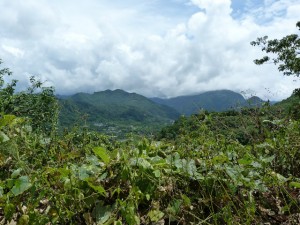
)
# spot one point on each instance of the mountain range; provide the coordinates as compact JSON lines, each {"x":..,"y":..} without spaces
{"x":116,"y":111}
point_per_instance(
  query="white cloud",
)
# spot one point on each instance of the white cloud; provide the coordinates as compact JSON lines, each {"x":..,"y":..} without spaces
{"x":16,"y":52}
{"x":139,"y":46}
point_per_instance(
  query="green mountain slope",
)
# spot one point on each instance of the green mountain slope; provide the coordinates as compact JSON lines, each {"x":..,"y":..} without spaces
{"x":114,"y":111}
{"x":290,"y":106}
{"x":218,"y":101}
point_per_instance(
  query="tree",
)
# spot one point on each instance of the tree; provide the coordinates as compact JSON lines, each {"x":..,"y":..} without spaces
{"x":38,"y":103}
{"x":286,"y":52}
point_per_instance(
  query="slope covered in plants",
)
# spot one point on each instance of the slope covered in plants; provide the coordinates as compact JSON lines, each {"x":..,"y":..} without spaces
{"x":202,"y":176}
{"x":197,"y":172}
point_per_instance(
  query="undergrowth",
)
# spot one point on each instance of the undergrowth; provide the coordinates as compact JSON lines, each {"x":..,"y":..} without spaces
{"x":83,"y":177}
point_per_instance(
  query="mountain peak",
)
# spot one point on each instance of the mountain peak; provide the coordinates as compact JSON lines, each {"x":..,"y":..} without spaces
{"x":255,"y":101}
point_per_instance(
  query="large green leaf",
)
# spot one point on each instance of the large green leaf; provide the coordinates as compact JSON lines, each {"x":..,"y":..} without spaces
{"x":16,"y":173}
{"x":98,"y":188}
{"x":295,"y":184}
{"x":102,"y":213}
{"x":157,"y":173}
{"x":246,"y":160}
{"x":6,"y":119}
{"x":155,"y":215}
{"x":3,"y":137}
{"x":21,"y":185}
{"x":101,"y":153}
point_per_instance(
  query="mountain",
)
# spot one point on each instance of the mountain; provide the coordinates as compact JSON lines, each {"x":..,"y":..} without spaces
{"x":121,"y":112}
{"x":218,"y":101}
{"x":114,"y":111}
{"x":289,"y":106}
{"x":255,"y":101}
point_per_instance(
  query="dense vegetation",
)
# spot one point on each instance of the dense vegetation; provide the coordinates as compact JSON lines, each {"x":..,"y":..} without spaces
{"x":202,"y":170}
{"x":115,"y":113}
{"x":235,"y":167}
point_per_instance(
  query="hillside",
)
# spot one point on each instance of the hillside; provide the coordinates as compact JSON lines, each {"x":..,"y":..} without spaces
{"x":220,"y":100}
{"x":201,"y":169}
{"x":233,"y":167}
{"x":290,"y":106}
{"x":110,"y":111}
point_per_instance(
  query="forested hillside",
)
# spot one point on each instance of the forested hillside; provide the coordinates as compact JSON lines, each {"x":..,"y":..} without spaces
{"x":115,"y":112}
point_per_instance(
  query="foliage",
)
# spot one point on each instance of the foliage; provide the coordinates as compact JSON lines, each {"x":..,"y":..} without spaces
{"x":287,"y":52}
{"x":37,"y":103}
{"x":245,"y":125}
{"x":203,"y":176}
{"x":290,"y":106}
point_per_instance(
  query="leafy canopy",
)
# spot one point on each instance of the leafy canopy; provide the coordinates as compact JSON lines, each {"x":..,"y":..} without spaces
{"x":38,"y":103}
{"x":285,"y":53}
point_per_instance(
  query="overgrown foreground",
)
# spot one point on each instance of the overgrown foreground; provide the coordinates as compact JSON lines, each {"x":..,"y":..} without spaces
{"x":201,"y":177}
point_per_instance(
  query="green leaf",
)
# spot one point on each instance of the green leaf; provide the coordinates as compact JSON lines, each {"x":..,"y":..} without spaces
{"x":101,"y":153}
{"x":21,"y":185}
{"x":3,"y":137}
{"x":157,"y":173}
{"x":24,"y":220}
{"x":220,"y":159}
{"x":9,"y":211}
{"x":148,"y":197}
{"x":6,"y":119}
{"x":98,"y":188}
{"x":186,"y":200}
{"x":155,"y":215}
{"x":130,"y":216}
{"x":16,"y":173}
{"x":268,"y":159}
{"x":102,"y":213}
{"x":141,"y":162}
{"x":83,"y":173}
{"x":256,"y":165}
{"x":1,"y":192}
{"x":144,"y":163}
{"x":295,"y":184}
{"x":245,"y":161}
{"x":190,"y":167}
{"x":281,"y":178}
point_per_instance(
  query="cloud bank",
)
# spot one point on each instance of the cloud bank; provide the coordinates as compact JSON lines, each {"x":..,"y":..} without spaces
{"x":155,"y":48}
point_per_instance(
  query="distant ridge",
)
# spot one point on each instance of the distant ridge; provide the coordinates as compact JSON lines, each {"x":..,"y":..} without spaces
{"x":116,"y":110}
{"x":220,"y":100}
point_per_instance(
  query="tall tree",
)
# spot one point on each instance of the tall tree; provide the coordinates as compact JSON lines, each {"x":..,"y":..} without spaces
{"x":284,"y":52}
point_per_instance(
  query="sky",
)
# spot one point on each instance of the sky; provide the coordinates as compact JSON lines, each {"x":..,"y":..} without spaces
{"x":157,"y":48}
